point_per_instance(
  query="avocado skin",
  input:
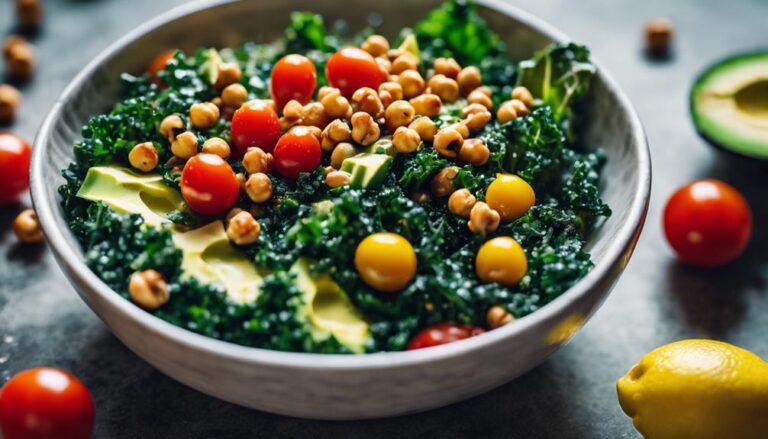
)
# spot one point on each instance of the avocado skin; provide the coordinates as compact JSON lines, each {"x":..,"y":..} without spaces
{"x":759,"y":152}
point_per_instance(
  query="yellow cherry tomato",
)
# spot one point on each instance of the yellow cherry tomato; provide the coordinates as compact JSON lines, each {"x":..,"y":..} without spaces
{"x":511,"y":196}
{"x":385,"y":261}
{"x":501,"y":260}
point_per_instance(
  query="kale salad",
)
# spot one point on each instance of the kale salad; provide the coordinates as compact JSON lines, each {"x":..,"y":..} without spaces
{"x":343,"y":193}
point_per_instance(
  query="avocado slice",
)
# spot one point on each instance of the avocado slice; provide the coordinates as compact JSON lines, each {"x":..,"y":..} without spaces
{"x":367,"y":169}
{"x":382,"y":146}
{"x":210,"y":258}
{"x":328,"y":309}
{"x":126,"y":191}
{"x":410,"y":44}
{"x":729,"y":104}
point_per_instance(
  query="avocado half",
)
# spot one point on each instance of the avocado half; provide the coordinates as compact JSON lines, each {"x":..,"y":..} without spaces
{"x":729,"y":104}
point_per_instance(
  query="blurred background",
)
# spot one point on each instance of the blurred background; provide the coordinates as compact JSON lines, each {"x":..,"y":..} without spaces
{"x":658,"y":300}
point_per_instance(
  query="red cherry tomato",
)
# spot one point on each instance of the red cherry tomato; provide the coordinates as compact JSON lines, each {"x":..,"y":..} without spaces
{"x":297,"y":151}
{"x":254,"y":124}
{"x":293,"y":77}
{"x":352,"y":68}
{"x":14,"y":167}
{"x":158,"y":64}
{"x":209,"y":185}
{"x":442,"y":333}
{"x":45,"y":403}
{"x":708,"y":223}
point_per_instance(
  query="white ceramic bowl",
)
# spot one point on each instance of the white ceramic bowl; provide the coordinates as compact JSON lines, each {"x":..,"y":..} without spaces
{"x":332,"y":386}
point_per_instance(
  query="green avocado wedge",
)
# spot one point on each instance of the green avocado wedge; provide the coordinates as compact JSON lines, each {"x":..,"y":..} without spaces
{"x":729,"y":104}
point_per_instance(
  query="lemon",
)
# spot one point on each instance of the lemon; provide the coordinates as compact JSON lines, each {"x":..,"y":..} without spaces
{"x":697,"y":389}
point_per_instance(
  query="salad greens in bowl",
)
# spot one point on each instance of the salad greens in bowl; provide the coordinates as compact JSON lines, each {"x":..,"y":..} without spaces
{"x":343,"y":183}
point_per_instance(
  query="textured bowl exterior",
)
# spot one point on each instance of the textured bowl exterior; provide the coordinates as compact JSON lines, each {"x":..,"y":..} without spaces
{"x":331,"y":386}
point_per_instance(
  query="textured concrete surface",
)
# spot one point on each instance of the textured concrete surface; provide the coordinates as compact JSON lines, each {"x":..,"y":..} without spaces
{"x":43,"y":322}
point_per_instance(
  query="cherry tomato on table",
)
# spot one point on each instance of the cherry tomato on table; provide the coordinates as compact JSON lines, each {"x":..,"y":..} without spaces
{"x":209,"y":185}
{"x":351,"y":68}
{"x":158,"y":64}
{"x":442,"y":333}
{"x":293,"y":77}
{"x":708,"y":223}
{"x":254,"y":124}
{"x":297,"y":151}
{"x":14,"y":167}
{"x":45,"y":403}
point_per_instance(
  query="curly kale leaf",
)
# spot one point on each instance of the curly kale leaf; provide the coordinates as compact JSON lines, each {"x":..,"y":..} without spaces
{"x":456,"y":29}
{"x":581,"y":180}
{"x":558,"y":75}
{"x":417,"y":171}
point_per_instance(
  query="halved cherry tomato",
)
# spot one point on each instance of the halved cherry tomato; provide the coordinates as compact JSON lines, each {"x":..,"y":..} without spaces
{"x":45,"y":403}
{"x":254,"y":124}
{"x":442,"y":333}
{"x":297,"y":151}
{"x":158,"y":64}
{"x":293,"y":77}
{"x":209,"y":185}
{"x":14,"y":167}
{"x":351,"y":68}
{"x":708,"y":223}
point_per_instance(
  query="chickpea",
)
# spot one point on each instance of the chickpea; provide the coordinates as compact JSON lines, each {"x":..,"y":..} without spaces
{"x":256,"y":161}
{"x":394,"y":89}
{"x":385,"y":65}
{"x":448,"y":142}
{"x":498,"y":316}
{"x":218,"y":102}
{"x":143,"y":157}
{"x":231,"y":214}
{"x":406,"y":61}
{"x":10,"y":97}
{"x":171,"y":126}
{"x":335,"y":132}
{"x":234,"y":95}
{"x":469,"y":78}
{"x":341,"y":152}
{"x":420,"y":197}
{"x":460,"y":127}
{"x":29,"y":13}
{"x":328,"y":169}
{"x":367,"y":99}
{"x":506,"y":112}
{"x":338,"y":178}
{"x":315,"y":115}
{"x":217,"y":146}
{"x":412,"y":83}
{"x":460,"y":203}
{"x":204,"y":115}
{"x":258,"y":187}
{"x":376,"y":45}
{"x":229,"y":73}
{"x":386,"y":98}
{"x":406,"y":140}
{"x":428,"y":104}
{"x":316,"y":132}
{"x":483,"y":219}
{"x":365,"y":130}
{"x":240,"y":177}
{"x":477,"y":96}
{"x":394,"y":53}
{"x":335,"y":104}
{"x":447,"y":67}
{"x":523,"y":95}
{"x":324,"y":90}
{"x":20,"y":60}
{"x":148,"y":289}
{"x":27,"y":227}
{"x":11,"y":42}
{"x":185,"y":145}
{"x":293,"y":111}
{"x":425,"y":128}
{"x":243,"y":229}
{"x":442,"y":183}
{"x":398,"y":114}
{"x":445,"y":87}
{"x":476,"y":121}
{"x":519,"y":107}
{"x":474,"y":152}
{"x":484,"y":89}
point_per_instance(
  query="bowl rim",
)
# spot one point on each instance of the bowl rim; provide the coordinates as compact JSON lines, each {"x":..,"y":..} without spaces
{"x":82,"y":277}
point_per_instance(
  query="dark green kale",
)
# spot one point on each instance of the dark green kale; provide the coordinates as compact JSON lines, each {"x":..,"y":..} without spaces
{"x":559,"y":75}
{"x":456,"y":29}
